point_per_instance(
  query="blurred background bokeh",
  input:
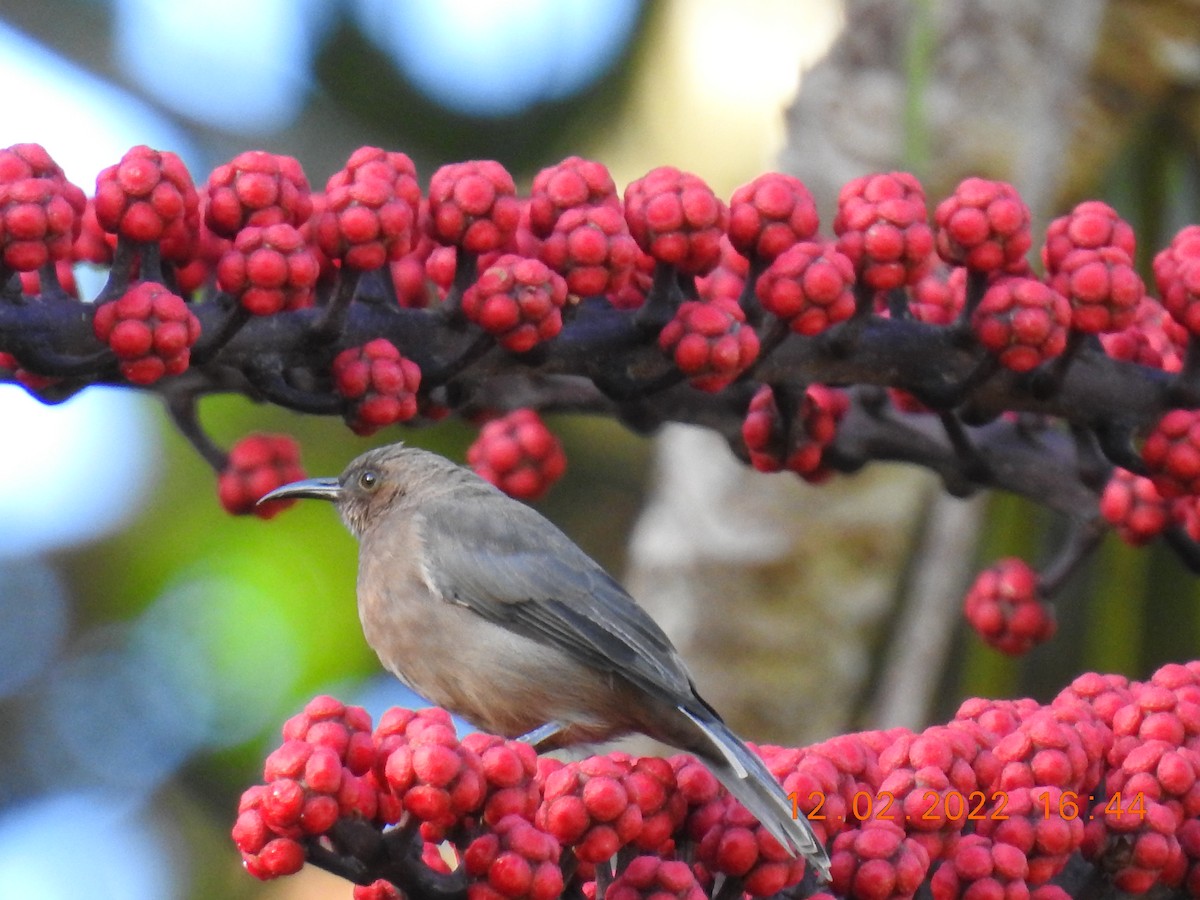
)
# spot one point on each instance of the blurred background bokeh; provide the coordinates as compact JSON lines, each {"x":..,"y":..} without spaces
{"x":150,"y":644}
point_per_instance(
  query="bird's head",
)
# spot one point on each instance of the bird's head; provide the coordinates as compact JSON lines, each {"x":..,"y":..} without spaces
{"x":375,"y":483}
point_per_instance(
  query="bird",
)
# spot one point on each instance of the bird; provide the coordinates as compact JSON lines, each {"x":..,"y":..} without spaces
{"x":482,"y":606}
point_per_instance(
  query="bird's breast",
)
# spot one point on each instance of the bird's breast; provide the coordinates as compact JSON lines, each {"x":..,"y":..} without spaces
{"x":500,"y":681}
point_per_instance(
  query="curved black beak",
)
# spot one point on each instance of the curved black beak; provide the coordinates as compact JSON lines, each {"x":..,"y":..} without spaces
{"x":314,"y":488}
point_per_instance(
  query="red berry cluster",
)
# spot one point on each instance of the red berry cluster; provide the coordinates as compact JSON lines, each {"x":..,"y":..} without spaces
{"x":148,"y":197}
{"x":1041,"y":823}
{"x":796,"y":439}
{"x":810,"y":286}
{"x":1059,"y":782}
{"x":1023,"y":321}
{"x":1104,"y":694}
{"x":570,"y":184}
{"x":427,"y":772}
{"x":728,"y":279}
{"x":921,"y":772}
{"x":710,"y":342}
{"x":150,"y":330}
{"x":1103,"y":288}
{"x":1091,"y":225}
{"x":1172,"y":454}
{"x":256,"y":188}
{"x":259,"y":463}
{"x":1088,"y":257}
{"x":1137,"y":850}
{"x":677,"y":219}
{"x":882,"y":227}
{"x":825,"y":779}
{"x":1152,"y":339}
{"x":513,"y":861}
{"x":380,"y":384}
{"x":319,"y":774}
{"x":518,"y":300}
{"x":736,"y":845}
{"x":592,"y":248}
{"x":370,"y":210}
{"x":509,"y":769}
{"x":473,"y":206}
{"x":769,"y":215}
{"x":939,"y":296}
{"x":270,"y":268}
{"x":1063,"y":746}
{"x":1156,"y":712}
{"x":1004,"y":607}
{"x":1134,"y":507}
{"x":1177,"y":275}
{"x":518,"y":454}
{"x":654,"y":878}
{"x":40,"y":211}
{"x":598,"y":805}
{"x":30,"y":380}
{"x":979,"y":867}
{"x":877,"y":860}
{"x":984,"y":226}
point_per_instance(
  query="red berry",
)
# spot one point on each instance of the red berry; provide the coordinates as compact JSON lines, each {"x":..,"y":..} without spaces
{"x":150,"y":330}
{"x":571,"y":184}
{"x":380,"y":383}
{"x":938,"y":296}
{"x":518,"y":300}
{"x":38,"y":223}
{"x":877,"y":861}
{"x":1003,"y":606}
{"x":473,"y":205}
{"x":983,"y":225}
{"x":516,"y":861}
{"x":148,"y":197}
{"x":591,"y":247}
{"x":881,"y":226}
{"x":770,"y":214}
{"x":1102,"y":287}
{"x":1133,"y":506}
{"x":377,"y":890}
{"x":370,"y":210}
{"x":1177,"y":275}
{"x":518,"y":454}
{"x":809,"y":286}
{"x":813,"y":423}
{"x":979,"y":867}
{"x":269,"y":269}
{"x":677,"y":219}
{"x":256,"y":188}
{"x":259,"y":463}
{"x":1153,"y":338}
{"x":1091,"y":225}
{"x":710,"y":343}
{"x":1172,"y":453}
{"x":282,"y":856}
{"x":1023,"y":321}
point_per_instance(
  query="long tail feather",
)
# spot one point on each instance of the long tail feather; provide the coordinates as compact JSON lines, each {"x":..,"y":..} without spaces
{"x":747,"y":777}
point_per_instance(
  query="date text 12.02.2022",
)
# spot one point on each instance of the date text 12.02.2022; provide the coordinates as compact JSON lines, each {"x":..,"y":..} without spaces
{"x":938,"y":807}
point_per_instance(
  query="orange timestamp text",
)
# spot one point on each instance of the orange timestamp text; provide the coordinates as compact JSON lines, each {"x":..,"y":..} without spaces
{"x":954,"y":806}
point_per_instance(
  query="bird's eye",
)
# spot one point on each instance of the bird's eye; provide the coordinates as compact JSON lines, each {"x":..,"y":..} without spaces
{"x":368,"y":480}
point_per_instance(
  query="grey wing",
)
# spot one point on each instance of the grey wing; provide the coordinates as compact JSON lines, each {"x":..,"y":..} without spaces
{"x":510,"y":565}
